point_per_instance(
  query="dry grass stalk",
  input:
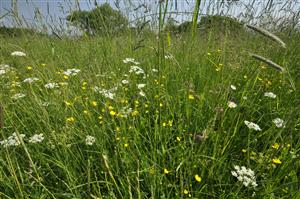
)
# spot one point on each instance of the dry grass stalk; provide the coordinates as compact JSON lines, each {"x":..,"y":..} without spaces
{"x":267,"y":34}
{"x":268,"y":62}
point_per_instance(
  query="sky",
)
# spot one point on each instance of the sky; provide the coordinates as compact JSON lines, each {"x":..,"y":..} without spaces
{"x":39,"y":13}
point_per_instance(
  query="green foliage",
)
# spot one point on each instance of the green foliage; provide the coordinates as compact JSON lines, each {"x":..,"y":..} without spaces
{"x":102,"y":20}
{"x":16,"y":32}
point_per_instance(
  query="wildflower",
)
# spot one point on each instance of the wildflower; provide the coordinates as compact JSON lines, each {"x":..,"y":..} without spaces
{"x":209,"y":54}
{"x":191,"y":97}
{"x":270,"y":95}
{"x":154,"y":70}
{"x":29,"y":67}
{"x":51,"y":85}
{"x":278,"y":122}
{"x":252,"y":125}
{"x":231,"y":104}
{"x":18,"y":96}
{"x":68,"y":103}
{"x":244,"y":175}
{"x":71,"y":72}
{"x":140,"y":86}
{"x":70,"y":119}
{"x":128,"y":60}
{"x":13,"y":140}
{"x":106,"y":93}
{"x":112,"y":113}
{"x":125,"y":145}
{"x":168,"y":56}
{"x":94,"y":103}
{"x":30,"y":80}
{"x":90,"y":140}
{"x":142,"y":93}
{"x":244,"y":150}
{"x":125,"y":81}
{"x":185,"y":191}
{"x":275,"y":146}
{"x":178,"y":139}
{"x":166,"y":171}
{"x":276,"y":161}
{"x":137,"y":70}
{"x":233,"y":87}
{"x":36,"y":138}
{"x":18,"y":54}
{"x":198,"y":178}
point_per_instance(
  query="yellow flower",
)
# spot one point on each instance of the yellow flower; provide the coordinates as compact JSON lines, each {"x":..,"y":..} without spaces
{"x":43,"y":65}
{"x":85,"y":112}
{"x":125,"y":145}
{"x":198,"y":178}
{"x":166,"y":171}
{"x":244,"y":150}
{"x":66,"y":77}
{"x":186,"y":191}
{"x":276,"y":161}
{"x":191,"y":97}
{"x":29,"y":67}
{"x":94,"y":103}
{"x":70,"y":119}
{"x":275,"y":146}
{"x":135,"y":113}
{"x":112,"y":113}
{"x":178,"y":139}
{"x":68,"y":103}
{"x":170,"y":123}
{"x":161,"y":104}
{"x":110,"y":108}
{"x":209,"y":54}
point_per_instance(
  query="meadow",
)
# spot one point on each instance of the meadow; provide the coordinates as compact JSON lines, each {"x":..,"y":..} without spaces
{"x":179,"y":117}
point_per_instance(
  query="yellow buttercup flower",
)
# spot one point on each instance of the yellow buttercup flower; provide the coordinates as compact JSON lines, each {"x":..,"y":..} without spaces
{"x":276,"y":161}
{"x":166,"y":171}
{"x":198,"y":178}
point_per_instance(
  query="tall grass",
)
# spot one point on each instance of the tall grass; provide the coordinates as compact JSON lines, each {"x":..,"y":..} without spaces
{"x":181,"y":130}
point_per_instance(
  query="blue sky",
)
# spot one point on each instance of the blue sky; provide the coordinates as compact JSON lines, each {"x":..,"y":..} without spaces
{"x":55,"y":11}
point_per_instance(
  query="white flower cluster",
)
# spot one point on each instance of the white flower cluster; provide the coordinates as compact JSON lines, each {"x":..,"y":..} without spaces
{"x":36,"y":138}
{"x":130,"y":60}
{"x":13,"y":140}
{"x":18,"y":96}
{"x":90,"y":140}
{"x":30,"y":80}
{"x":125,"y":81}
{"x":231,"y":104}
{"x":233,"y":87}
{"x":137,"y":70}
{"x":125,"y":111}
{"x":270,"y":95}
{"x":278,"y":122}
{"x":252,"y":125}
{"x":110,"y":93}
{"x":71,"y":72}
{"x":51,"y":85}
{"x":244,"y":175}
{"x":141,"y":86}
{"x":18,"y":54}
{"x":4,"y":68}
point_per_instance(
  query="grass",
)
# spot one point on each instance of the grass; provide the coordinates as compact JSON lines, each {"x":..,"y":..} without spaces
{"x":156,"y":151}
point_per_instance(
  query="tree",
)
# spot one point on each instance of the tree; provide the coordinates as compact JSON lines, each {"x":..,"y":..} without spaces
{"x":101,"y":20}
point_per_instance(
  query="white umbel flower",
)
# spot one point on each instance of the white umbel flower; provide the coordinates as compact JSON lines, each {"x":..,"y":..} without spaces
{"x":244,"y":175}
{"x":13,"y":140}
{"x":278,"y":122}
{"x":130,"y":60}
{"x":30,"y":80}
{"x":90,"y":140}
{"x":140,"y":86}
{"x":231,"y":104}
{"x":270,"y":95}
{"x":252,"y":125}
{"x":71,"y":72}
{"x":125,"y":81}
{"x":18,"y":96}
{"x":36,"y":138}
{"x":51,"y":85}
{"x":18,"y":54}
{"x":233,"y":87}
{"x":137,"y":70}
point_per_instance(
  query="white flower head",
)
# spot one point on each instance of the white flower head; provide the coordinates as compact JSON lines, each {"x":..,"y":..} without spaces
{"x":90,"y":140}
{"x":231,"y":104}
{"x":71,"y":72}
{"x":51,"y":85}
{"x":140,"y":86}
{"x":142,"y":93}
{"x":245,"y":176}
{"x":137,"y":70}
{"x":18,"y":96}
{"x":130,"y":60}
{"x":154,"y":70}
{"x":18,"y":54}
{"x":110,"y":93}
{"x":252,"y":125}
{"x":124,"y":81}
{"x":13,"y":140}
{"x":30,"y":80}
{"x":278,"y":122}
{"x":36,"y":138}
{"x":233,"y":87}
{"x":270,"y":95}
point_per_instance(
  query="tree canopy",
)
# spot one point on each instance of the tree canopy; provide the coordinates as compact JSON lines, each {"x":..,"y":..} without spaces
{"x":100,"y":20}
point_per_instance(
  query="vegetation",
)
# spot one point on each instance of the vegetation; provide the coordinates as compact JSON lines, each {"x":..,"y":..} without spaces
{"x":214,"y":116}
